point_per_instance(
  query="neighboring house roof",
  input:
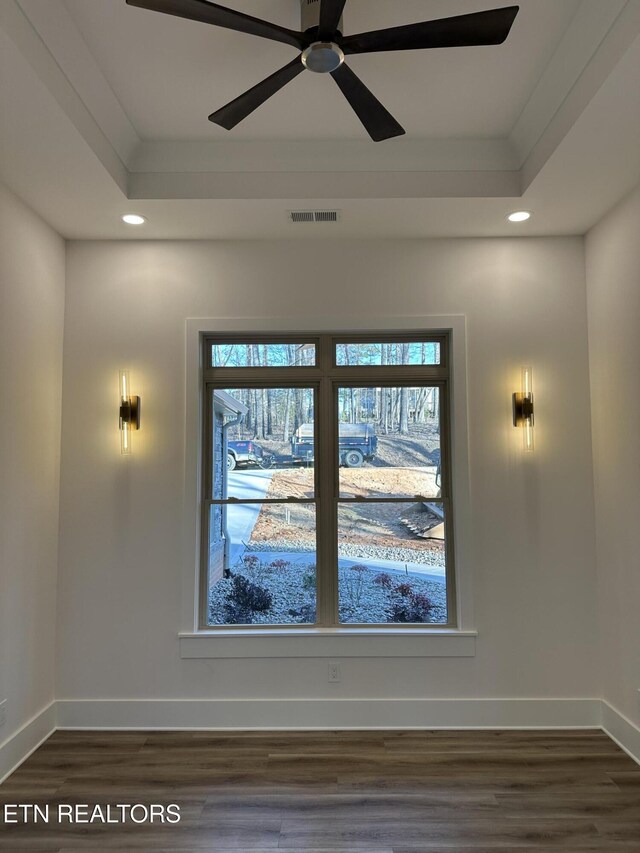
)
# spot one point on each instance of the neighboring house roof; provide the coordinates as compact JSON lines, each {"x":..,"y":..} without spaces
{"x":228,"y":404}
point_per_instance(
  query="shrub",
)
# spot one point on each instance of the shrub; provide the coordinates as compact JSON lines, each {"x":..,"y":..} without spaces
{"x":306,"y":613}
{"x":422,"y":601}
{"x":279,"y":564}
{"x":404,"y":589}
{"x":352,"y":584}
{"x":309,"y":579}
{"x":244,"y":600}
{"x":414,"y":607}
{"x":384,"y":580}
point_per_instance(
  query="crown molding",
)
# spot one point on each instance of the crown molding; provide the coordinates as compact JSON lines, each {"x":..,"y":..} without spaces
{"x":620,"y":36}
{"x":61,"y":39}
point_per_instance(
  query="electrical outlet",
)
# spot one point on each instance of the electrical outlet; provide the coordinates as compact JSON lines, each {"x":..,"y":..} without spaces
{"x":334,"y":673}
{"x":3,"y":712}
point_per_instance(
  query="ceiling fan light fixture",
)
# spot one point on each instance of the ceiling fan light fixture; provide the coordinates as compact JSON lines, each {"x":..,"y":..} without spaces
{"x":323,"y":57}
{"x":519,"y":216}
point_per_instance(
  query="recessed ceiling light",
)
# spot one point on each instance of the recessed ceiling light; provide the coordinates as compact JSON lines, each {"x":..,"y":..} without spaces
{"x":133,"y":219}
{"x":519,"y":216}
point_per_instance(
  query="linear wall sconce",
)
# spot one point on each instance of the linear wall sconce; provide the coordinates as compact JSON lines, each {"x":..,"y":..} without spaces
{"x":129,"y":412}
{"x":523,"y":408}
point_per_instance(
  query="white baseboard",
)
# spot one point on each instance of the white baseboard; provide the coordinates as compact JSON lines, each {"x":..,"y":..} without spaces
{"x":328,"y":713}
{"x":625,"y":733}
{"x":261,"y":714}
{"x":26,"y":740}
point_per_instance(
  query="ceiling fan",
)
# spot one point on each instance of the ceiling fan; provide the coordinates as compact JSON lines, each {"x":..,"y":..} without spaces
{"x":323,"y":48}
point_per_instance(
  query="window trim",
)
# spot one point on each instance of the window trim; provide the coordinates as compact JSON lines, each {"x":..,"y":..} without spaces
{"x":349,"y":326}
{"x":325,"y":377}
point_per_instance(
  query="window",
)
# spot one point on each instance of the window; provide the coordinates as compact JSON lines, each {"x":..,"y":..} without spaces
{"x":327,"y":481}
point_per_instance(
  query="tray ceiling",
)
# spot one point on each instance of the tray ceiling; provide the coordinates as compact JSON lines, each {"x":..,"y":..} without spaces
{"x":169,"y":73}
{"x":105,"y":109}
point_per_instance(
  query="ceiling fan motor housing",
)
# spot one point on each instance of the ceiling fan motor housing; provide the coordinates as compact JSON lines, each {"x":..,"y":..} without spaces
{"x":310,"y":15}
{"x":322,"y":57}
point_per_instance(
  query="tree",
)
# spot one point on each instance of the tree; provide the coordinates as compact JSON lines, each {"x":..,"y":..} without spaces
{"x":384,"y":394}
{"x":404,"y":395}
{"x":287,"y":415}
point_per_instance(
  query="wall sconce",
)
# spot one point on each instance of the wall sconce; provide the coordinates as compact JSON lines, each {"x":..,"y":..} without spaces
{"x":523,"y":408}
{"x":129,"y":413}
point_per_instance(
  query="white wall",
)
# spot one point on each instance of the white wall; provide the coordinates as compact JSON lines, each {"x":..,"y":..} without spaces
{"x":613,"y":289}
{"x":32,"y":277}
{"x":532,"y":531}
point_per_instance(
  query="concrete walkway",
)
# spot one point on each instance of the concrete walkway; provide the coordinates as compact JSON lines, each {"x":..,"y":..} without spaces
{"x":241,"y":519}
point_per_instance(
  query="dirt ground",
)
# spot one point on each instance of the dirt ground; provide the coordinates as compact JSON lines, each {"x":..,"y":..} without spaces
{"x":420,"y":447}
{"x":376,"y":524}
{"x":404,"y":465}
{"x":358,"y":482}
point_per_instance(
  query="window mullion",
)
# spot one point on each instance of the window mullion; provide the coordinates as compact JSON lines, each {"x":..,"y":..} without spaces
{"x":326,"y":518}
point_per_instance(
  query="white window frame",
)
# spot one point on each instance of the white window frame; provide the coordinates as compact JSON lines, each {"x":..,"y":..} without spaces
{"x":425,"y":640}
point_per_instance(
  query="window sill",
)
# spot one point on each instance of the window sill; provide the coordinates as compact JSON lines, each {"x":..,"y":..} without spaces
{"x":328,"y":642}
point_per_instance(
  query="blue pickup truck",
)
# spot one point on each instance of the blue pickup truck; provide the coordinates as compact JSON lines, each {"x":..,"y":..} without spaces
{"x":357,"y":442}
{"x":246,"y":453}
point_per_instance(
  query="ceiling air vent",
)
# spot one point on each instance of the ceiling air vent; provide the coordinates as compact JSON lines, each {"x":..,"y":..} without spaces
{"x":314,"y":215}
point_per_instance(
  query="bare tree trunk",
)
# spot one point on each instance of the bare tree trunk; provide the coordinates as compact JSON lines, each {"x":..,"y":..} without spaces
{"x":264,"y":394}
{"x":421,"y":402}
{"x":384,"y":395}
{"x":256,"y":402}
{"x":249,"y":422}
{"x":404,"y":396}
{"x":287,"y":415}
{"x":404,"y":411}
{"x":263,"y":412}
{"x":298,"y":417}
{"x":395,"y":409}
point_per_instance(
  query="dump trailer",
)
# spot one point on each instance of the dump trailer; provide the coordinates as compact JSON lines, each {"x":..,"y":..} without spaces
{"x":356,"y":443}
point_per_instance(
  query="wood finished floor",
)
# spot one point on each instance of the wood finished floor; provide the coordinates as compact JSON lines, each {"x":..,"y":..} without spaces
{"x":323,"y":792}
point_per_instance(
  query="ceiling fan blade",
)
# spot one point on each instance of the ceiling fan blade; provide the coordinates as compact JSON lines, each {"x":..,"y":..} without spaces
{"x":235,"y":111}
{"x":220,"y":16}
{"x":330,"y":14}
{"x":378,"y":121}
{"x":479,"y":28}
